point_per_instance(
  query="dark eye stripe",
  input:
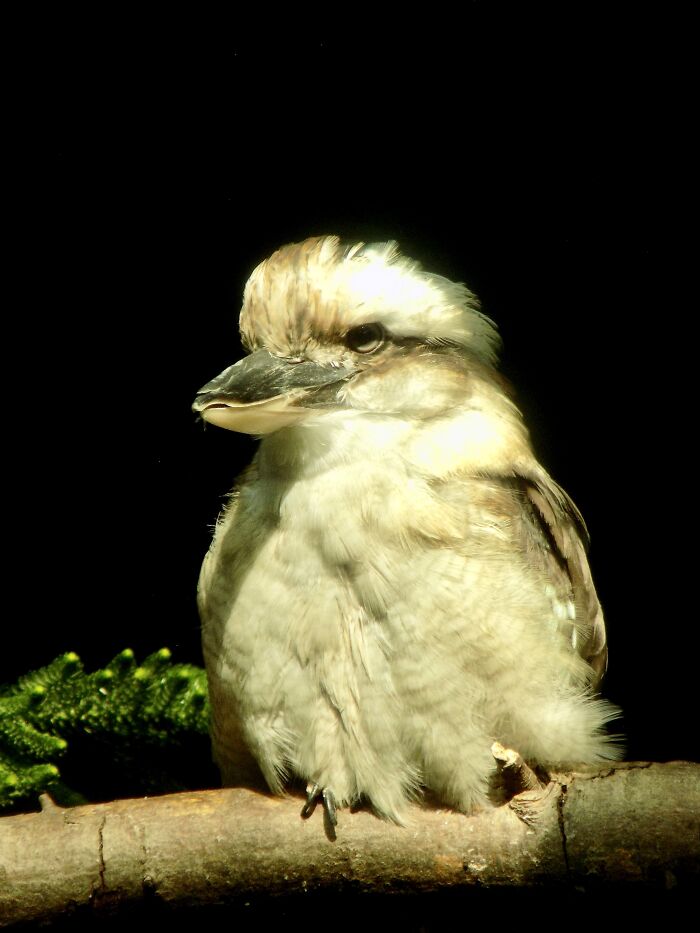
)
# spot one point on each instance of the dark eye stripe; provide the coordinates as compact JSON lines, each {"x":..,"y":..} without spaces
{"x":365,"y":338}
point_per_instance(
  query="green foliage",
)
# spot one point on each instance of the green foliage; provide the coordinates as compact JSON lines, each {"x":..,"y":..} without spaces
{"x":139,"y":724}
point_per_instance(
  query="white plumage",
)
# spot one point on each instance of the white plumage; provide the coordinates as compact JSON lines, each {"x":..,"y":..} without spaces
{"x":396,"y":583}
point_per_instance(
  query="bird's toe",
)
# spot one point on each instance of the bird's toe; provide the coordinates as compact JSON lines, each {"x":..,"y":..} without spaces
{"x":314,"y":793}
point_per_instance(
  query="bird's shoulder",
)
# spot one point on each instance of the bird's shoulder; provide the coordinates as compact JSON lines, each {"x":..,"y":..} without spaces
{"x":550,"y":532}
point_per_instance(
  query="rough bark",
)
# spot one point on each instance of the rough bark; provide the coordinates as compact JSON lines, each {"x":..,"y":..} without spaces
{"x":629,"y":825}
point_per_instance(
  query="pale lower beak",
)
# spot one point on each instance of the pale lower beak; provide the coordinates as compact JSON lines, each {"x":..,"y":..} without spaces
{"x":263,"y":393}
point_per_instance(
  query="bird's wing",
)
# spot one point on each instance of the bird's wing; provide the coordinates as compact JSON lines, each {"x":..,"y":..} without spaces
{"x":554,"y":537}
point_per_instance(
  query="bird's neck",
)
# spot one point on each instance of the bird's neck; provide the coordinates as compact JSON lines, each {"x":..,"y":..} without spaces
{"x":463,"y":440}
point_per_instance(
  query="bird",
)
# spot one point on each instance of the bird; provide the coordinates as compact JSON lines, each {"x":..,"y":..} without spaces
{"x":396,"y":582}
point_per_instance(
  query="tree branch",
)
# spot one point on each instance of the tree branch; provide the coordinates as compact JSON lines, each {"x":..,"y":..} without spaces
{"x":625,"y":824}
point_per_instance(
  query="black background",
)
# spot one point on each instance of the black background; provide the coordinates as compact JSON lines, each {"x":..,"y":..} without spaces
{"x":540,"y":156}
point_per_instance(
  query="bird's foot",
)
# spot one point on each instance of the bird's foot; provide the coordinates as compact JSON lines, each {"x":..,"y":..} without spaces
{"x":314,"y":793}
{"x":520,"y":787}
{"x":518,"y":775}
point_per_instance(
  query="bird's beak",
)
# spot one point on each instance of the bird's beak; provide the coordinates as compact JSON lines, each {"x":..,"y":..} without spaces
{"x":263,"y":393}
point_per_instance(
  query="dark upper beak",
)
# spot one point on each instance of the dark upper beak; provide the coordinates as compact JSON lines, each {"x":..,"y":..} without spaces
{"x":263,"y":392}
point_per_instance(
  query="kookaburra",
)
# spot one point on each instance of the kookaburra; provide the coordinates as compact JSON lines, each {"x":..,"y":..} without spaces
{"x":396,"y":582}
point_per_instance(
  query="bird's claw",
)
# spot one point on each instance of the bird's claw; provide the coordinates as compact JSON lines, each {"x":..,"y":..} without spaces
{"x":330,"y":807}
{"x":313,"y":793}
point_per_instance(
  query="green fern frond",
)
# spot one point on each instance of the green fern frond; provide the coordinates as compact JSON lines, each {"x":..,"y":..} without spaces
{"x":125,"y":707}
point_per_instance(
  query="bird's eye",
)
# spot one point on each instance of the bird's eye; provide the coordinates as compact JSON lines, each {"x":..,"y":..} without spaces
{"x":365,"y":338}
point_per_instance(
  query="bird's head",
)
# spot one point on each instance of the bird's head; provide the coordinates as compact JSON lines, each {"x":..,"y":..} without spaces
{"x":359,"y":328}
